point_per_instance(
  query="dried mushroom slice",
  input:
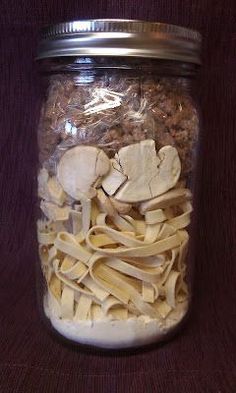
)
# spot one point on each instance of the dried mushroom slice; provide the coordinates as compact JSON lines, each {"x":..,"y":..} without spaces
{"x":50,"y":189}
{"x":79,"y":168}
{"x":114,"y":179}
{"x":141,"y":174}
{"x":56,"y":193}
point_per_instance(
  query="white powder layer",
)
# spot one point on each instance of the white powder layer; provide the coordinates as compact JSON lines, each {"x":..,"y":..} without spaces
{"x":108,"y":333}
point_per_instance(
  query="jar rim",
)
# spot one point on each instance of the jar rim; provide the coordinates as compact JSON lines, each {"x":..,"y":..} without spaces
{"x":120,"y":37}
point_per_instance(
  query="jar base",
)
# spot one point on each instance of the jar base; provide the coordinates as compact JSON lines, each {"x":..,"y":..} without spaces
{"x":117,"y":334}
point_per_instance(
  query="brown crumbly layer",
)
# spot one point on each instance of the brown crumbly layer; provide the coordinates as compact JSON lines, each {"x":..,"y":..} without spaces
{"x":158,"y":108}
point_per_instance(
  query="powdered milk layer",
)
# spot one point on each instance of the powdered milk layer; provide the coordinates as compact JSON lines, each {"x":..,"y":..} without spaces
{"x":108,"y":333}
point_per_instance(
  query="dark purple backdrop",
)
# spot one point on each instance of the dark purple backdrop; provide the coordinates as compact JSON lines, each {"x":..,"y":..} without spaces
{"x":200,"y":359}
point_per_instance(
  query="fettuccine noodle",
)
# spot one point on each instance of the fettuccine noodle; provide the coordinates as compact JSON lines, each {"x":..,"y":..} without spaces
{"x":104,"y":264}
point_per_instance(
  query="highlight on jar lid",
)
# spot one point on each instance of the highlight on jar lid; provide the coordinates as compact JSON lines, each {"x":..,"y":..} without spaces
{"x":120,"y":37}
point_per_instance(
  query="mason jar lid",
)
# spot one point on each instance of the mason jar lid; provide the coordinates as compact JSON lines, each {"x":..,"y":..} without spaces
{"x":120,"y":37}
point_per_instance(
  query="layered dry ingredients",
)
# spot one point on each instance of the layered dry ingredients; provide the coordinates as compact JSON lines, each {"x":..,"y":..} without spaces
{"x":115,"y":205}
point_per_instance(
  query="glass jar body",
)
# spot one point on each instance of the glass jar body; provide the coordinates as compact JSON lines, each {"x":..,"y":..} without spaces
{"x":117,"y":144}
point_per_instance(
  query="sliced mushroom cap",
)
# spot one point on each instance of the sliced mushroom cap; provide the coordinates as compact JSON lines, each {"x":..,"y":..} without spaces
{"x":168,"y":171}
{"x":56,"y":193}
{"x":142,"y":173}
{"x":114,"y":179}
{"x":79,"y":168}
{"x":49,"y":188}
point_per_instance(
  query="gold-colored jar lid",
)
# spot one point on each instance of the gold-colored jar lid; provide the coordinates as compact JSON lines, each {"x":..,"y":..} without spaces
{"x":120,"y":37}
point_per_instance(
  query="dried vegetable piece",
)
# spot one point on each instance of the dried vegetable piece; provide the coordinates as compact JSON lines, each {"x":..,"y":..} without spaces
{"x":79,"y":168}
{"x":112,"y":182}
{"x":49,"y":189}
{"x":146,"y":173}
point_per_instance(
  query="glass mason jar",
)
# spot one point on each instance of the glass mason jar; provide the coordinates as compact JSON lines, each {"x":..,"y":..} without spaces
{"x":117,"y":143}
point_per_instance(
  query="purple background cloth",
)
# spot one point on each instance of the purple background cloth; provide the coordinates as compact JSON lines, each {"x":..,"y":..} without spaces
{"x":201,"y":358}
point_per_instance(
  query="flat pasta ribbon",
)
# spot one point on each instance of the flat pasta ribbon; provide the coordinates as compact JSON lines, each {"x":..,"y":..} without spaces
{"x":117,"y":266}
